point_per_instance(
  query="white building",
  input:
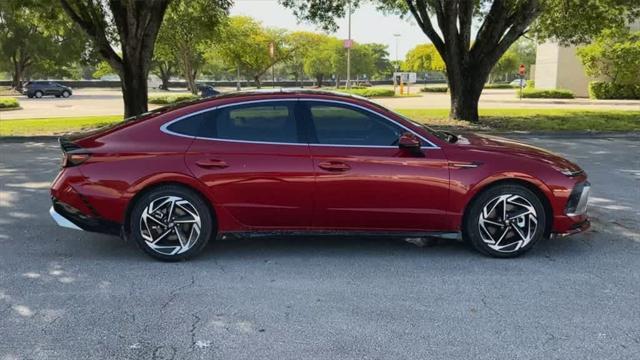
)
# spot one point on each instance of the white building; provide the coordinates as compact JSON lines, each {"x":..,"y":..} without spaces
{"x":559,"y":67}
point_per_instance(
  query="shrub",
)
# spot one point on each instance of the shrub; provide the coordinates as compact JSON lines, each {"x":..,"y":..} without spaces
{"x":370,"y":92}
{"x":546,"y":93}
{"x":171,"y":99}
{"x":608,"y":90}
{"x":530,"y":84}
{"x":499,"y":86}
{"x":436,"y":89}
{"x":9,"y":103}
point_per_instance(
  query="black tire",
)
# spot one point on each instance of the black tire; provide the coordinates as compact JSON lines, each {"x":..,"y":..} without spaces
{"x":57,"y":96}
{"x":38,"y":94}
{"x":207,"y":222}
{"x":65,"y":94}
{"x":471,"y":229}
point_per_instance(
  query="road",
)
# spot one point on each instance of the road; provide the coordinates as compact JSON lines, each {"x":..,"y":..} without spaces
{"x":74,"y":295}
{"x":93,"y":102}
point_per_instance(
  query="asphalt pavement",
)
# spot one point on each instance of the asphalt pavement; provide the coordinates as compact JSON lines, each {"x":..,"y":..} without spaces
{"x":76,"y":295}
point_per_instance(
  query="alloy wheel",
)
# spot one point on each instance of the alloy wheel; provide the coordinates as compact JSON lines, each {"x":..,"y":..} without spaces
{"x":508,"y":223}
{"x":170,"y":225}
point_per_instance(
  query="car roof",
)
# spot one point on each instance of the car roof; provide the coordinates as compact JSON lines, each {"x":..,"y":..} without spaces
{"x":246,"y":95}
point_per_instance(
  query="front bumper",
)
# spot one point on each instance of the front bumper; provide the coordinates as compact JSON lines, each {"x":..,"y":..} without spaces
{"x":61,"y":220}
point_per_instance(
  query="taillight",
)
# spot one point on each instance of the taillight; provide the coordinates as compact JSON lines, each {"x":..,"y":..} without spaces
{"x":69,"y":160}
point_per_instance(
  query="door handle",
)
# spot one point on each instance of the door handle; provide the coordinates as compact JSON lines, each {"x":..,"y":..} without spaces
{"x":212,"y":163}
{"x":334,"y":166}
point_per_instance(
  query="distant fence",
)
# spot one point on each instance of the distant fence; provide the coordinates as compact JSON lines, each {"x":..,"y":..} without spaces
{"x":183,"y":84}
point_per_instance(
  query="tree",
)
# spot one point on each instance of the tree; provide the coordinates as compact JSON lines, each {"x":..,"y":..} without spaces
{"x":131,"y":24}
{"x":501,"y":23}
{"x":614,"y":55}
{"x":508,"y":64}
{"x":380,"y":56}
{"x":319,"y":60}
{"x":35,"y":39}
{"x":164,"y":63}
{"x":245,"y":44}
{"x":186,"y":34}
{"x":423,"y":58}
{"x":304,"y":44}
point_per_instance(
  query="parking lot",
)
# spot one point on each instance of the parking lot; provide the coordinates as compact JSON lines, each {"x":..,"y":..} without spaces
{"x":72,"y":295}
{"x":95,"y":102}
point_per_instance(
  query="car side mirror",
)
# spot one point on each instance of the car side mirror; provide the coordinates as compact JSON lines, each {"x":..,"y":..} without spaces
{"x":410,"y":142}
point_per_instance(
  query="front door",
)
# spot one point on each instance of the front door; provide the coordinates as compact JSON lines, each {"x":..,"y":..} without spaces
{"x":255,"y":161}
{"x":364,"y":181}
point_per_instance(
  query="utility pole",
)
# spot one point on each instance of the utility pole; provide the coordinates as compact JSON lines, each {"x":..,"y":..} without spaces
{"x":238,"y":77}
{"x":349,"y":49}
{"x":397,"y":67}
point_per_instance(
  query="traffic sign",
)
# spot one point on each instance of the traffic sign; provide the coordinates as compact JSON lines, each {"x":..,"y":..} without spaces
{"x":348,"y":43}
{"x":522,"y":70}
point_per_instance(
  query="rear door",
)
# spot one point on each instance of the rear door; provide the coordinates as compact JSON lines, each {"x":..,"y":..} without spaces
{"x":254,"y":158}
{"x":364,"y":181}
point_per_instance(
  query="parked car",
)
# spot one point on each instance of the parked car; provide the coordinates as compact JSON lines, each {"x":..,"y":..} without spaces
{"x":39,"y":89}
{"x":518,"y":83}
{"x":208,"y":91}
{"x":309,"y":162}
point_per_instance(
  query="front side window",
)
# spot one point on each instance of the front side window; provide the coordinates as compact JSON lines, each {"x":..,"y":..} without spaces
{"x":344,"y":125}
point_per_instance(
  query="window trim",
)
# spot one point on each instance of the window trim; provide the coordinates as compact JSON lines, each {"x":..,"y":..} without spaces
{"x":164,"y":127}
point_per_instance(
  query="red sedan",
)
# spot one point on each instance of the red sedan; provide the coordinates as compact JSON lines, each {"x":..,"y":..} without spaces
{"x":308,"y":162}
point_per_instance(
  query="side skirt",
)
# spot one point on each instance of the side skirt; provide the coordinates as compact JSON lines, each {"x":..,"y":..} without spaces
{"x":453,"y":235}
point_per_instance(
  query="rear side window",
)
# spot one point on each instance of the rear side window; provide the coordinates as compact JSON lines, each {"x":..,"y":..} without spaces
{"x":190,"y":126}
{"x":262,"y":122}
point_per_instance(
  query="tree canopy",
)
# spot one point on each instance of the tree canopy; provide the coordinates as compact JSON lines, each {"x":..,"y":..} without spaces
{"x":614,"y":55}
{"x":449,"y":23}
{"x":35,"y":39}
{"x":422,"y":58}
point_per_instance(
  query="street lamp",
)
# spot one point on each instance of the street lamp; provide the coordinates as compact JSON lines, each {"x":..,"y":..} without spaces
{"x":397,"y":36}
{"x":348,"y":84}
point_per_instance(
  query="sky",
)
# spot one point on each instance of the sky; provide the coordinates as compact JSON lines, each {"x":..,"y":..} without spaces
{"x":367,"y":24}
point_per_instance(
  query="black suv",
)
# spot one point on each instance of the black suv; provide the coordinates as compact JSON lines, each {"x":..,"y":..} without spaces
{"x":39,"y":89}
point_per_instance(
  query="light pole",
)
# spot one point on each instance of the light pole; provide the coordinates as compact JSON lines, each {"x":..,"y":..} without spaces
{"x":397,"y":67}
{"x":349,"y":49}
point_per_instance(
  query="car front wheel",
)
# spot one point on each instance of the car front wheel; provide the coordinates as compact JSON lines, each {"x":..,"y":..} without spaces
{"x":38,"y":94}
{"x":66,"y":94}
{"x":505,"y":221}
{"x":171,"y":223}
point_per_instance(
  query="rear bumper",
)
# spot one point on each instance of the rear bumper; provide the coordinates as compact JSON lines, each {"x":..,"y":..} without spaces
{"x":67,"y":216}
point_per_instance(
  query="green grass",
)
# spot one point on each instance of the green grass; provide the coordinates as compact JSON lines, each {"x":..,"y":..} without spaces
{"x":369,"y":92}
{"x":9,"y":103}
{"x":543,"y":120}
{"x":53,"y":126}
{"x":171,"y":99}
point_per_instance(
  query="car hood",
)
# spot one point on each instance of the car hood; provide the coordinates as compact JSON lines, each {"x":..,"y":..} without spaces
{"x":515,"y":148}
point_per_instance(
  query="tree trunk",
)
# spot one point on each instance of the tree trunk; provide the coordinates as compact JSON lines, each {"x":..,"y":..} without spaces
{"x":256,"y":80}
{"x":319,"y":80}
{"x":134,"y":89}
{"x":465,"y":87}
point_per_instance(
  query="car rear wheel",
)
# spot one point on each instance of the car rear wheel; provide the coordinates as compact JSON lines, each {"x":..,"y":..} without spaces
{"x":66,"y":94}
{"x":505,"y":221}
{"x":38,"y":94}
{"x":171,"y":223}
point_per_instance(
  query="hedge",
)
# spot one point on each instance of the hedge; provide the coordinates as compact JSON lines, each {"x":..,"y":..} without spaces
{"x":9,"y":103}
{"x":532,"y":93}
{"x":608,"y":90}
{"x":171,"y":99}
{"x":370,"y":92}
{"x":500,"y":86}
{"x":436,"y":89}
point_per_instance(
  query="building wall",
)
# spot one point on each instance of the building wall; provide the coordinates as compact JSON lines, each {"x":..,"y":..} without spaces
{"x":559,"y":67}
